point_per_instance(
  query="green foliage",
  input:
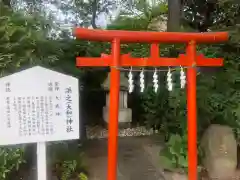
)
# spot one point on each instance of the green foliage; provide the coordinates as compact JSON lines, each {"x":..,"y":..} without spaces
{"x":23,"y":42}
{"x":68,"y":167}
{"x":217,"y":100}
{"x":67,"y":161}
{"x":154,"y":108}
{"x":128,"y":23}
{"x":174,"y":155}
{"x":219,"y":95}
{"x":140,"y":20}
{"x":10,"y":160}
{"x":82,"y":176}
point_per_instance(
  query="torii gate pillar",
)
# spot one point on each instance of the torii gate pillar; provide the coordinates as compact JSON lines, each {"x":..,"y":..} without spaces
{"x":190,"y":60}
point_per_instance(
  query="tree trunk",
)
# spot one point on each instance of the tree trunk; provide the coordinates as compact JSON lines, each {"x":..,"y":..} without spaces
{"x":174,"y":19}
{"x":174,"y":15}
{"x":7,"y":3}
{"x":94,"y":14}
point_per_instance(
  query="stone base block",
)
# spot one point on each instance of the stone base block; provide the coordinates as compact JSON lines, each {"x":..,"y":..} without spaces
{"x":125,"y":115}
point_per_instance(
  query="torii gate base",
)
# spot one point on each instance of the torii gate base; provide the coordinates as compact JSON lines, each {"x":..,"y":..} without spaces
{"x":115,"y":59}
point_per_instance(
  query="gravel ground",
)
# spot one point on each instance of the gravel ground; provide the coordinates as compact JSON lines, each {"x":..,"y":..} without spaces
{"x":98,"y":132}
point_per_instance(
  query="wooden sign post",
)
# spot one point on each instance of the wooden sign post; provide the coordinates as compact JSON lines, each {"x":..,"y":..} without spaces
{"x":115,"y":60}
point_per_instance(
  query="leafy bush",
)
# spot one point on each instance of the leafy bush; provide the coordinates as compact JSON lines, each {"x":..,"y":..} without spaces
{"x":10,"y":160}
{"x":71,"y":168}
{"x":23,"y":41}
{"x":174,"y":155}
{"x":67,"y":161}
{"x":154,"y":105}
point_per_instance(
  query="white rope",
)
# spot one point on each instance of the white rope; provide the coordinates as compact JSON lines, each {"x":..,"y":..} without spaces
{"x":155,"y":80}
{"x":155,"y":77}
{"x":169,"y":80}
{"x":142,"y":81}
{"x":130,"y":81}
{"x":182,"y":78}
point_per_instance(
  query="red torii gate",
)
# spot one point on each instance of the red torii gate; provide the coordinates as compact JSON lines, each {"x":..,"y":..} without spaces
{"x":190,"y":60}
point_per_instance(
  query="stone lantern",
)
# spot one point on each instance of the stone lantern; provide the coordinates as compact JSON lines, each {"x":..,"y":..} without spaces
{"x":125,"y":113}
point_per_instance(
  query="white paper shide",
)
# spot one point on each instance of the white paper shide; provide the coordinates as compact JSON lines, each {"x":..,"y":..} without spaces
{"x":38,"y":105}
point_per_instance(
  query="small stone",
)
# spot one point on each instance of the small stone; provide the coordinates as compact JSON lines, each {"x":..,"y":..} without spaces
{"x":175,"y":176}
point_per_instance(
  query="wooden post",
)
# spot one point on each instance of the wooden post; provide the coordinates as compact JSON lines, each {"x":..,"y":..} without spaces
{"x":192,"y":112}
{"x":113,"y":111}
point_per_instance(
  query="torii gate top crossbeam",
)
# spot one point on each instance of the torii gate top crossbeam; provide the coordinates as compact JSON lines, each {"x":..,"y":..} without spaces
{"x":148,"y":37}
